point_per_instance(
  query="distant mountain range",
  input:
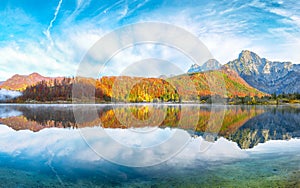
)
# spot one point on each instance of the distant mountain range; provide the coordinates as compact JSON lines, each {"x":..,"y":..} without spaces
{"x":211,"y":64}
{"x":267,"y":76}
{"x":20,"y":82}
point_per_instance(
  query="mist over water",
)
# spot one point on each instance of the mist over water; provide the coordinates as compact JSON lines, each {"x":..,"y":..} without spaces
{"x":8,"y":94}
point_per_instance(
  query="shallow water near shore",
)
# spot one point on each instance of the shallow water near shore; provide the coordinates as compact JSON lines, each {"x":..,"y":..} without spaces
{"x":43,"y":145}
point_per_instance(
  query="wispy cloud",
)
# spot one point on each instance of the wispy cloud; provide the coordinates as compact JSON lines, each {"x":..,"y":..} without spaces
{"x":258,"y":4}
{"x":81,"y":5}
{"x":47,"y":32}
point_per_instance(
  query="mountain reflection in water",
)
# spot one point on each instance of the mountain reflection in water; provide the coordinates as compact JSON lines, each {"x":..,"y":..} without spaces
{"x":245,"y":125}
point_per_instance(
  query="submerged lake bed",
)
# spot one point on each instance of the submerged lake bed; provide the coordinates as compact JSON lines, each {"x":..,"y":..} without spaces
{"x":148,"y":145}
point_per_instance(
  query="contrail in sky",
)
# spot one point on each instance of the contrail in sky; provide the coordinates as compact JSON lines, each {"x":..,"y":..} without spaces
{"x":47,"y":32}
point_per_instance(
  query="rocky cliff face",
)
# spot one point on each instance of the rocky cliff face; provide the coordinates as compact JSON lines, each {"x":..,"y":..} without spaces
{"x":267,"y":76}
{"x":211,"y":64}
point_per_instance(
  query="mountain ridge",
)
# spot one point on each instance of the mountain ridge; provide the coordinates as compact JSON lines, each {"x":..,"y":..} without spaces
{"x":211,"y":64}
{"x":267,"y":76}
{"x":19,"y":82}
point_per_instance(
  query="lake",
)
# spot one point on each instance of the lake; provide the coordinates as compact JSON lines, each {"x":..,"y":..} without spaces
{"x":149,"y":145}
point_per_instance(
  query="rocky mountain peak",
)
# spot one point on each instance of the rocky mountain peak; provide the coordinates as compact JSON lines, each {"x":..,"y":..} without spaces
{"x":35,"y":74}
{"x":251,"y":60}
{"x":16,"y":76}
{"x":267,"y":76}
{"x":247,"y":55}
{"x":211,"y":64}
{"x":195,"y":66}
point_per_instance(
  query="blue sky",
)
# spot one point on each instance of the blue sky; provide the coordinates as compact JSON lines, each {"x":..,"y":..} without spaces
{"x":52,"y":37}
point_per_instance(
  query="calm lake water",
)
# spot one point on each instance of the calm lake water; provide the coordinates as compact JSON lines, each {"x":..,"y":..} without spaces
{"x":149,"y":145}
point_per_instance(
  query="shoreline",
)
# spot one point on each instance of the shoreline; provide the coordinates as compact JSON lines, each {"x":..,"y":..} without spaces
{"x":144,"y":103}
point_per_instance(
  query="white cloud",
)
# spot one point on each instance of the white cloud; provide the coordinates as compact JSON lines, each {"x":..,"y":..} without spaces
{"x":58,"y":142}
{"x":273,"y":146}
{"x":62,"y":59}
{"x":55,"y":143}
{"x":32,"y":58}
{"x":225,"y":48}
{"x":127,"y":59}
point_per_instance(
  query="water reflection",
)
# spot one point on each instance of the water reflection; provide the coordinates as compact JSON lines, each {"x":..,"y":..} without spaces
{"x":276,"y":123}
{"x":245,"y":125}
